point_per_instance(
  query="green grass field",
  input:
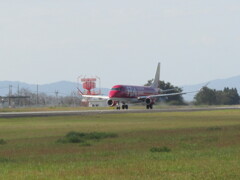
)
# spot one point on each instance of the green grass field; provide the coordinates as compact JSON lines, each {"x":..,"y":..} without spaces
{"x":202,"y":145}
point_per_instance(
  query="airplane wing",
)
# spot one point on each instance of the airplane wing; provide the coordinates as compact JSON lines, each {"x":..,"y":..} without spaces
{"x":170,"y":94}
{"x":95,"y":96}
{"x":167,"y":90}
{"x":164,"y":95}
{"x":92,"y":96}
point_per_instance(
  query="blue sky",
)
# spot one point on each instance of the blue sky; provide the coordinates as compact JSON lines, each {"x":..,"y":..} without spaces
{"x":119,"y":41}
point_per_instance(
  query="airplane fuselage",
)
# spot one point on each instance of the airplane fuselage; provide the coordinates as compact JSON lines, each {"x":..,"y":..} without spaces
{"x":128,"y":93}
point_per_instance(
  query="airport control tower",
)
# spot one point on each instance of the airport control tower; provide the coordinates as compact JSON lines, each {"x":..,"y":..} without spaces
{"x":90,"y":85}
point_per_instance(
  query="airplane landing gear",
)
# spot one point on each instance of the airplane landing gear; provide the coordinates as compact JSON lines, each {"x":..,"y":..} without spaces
{"x":124,"y":106}
{"x":150,"y":106}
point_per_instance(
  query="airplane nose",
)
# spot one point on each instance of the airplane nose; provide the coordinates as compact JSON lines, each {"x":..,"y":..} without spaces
{"x":112,"y":94}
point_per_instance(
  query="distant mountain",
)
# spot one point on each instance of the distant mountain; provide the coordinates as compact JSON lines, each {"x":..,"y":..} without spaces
{"x":64,"y":88}
{"x":219,"y":84}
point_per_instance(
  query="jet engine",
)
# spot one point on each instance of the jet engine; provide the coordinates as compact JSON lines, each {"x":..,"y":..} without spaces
{"x":149,"y":101}
{"x":111,"y":103}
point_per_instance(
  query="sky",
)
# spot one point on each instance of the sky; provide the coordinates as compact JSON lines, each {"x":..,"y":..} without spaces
{"x":119,"y":41}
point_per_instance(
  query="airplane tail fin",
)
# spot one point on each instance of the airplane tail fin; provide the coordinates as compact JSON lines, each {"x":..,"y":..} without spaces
{"x":157,"y":77}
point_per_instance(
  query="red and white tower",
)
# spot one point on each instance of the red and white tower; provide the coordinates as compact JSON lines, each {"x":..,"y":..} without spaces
{"x":89,"y":85}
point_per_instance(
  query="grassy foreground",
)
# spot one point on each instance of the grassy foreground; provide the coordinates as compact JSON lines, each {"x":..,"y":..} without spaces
{"x":200,"y":145}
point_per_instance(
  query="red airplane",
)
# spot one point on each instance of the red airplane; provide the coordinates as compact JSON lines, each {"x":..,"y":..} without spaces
{"x":125,"y":94}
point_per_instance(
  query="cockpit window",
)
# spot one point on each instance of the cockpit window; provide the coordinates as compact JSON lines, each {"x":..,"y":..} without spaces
{"x":116,"y":89}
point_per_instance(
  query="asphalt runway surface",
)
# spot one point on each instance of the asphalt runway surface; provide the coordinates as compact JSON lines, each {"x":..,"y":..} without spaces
{"x":94,"y":112}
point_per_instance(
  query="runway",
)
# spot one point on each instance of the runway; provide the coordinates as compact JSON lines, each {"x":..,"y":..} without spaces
{"x":94,"y":112}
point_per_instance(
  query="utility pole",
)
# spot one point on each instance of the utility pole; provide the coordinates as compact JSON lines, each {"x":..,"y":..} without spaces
{"x":56,"y":93}
{"x":37,"y":95}
{"x":73,"y":97}
{"x":9,"y":95}
{"x":18,"y":92}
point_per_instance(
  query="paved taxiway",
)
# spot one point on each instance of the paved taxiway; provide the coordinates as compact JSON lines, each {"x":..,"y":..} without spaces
{"x":94,"y":112}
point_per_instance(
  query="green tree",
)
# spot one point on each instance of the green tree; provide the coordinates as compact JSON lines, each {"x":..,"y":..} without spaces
{"x":230,"y":96}
{"x":206,"y":96}
{"x":213,"y":97}
{"x":163,"y":86}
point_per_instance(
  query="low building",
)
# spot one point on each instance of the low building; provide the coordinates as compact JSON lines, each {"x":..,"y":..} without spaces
{"x":97,"y":103}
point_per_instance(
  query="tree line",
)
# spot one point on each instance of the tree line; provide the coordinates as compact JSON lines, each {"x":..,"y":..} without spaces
{"x":227,"y":96}
{"x":206,"y":96}
{"x":42,"y":99}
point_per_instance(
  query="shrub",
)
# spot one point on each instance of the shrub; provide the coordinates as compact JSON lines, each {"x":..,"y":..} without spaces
{"x":71,"y":134}
{"x":100,"y":135}
{"x":214,"y":128}
{"x":2,"y":141}
{"x":4,"y":160}
{"x":160,"y":149}
{"x":76,"y":137}
{"x":85,"y":144}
